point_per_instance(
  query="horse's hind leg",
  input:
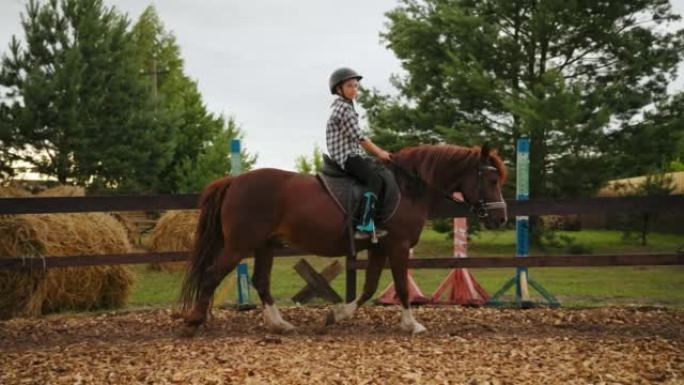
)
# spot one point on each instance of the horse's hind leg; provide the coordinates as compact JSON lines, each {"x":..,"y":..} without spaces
{"x":376,"y":261}
{"x":213,"y":276}
{"x":263,"y":263}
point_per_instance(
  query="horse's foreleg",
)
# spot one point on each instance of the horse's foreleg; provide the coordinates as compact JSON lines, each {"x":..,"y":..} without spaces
{"x":399,"y":265}
{"x":376,"y":261}
{"x":263,"y":263}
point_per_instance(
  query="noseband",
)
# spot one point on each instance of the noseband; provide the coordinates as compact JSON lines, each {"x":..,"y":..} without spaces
{"x":481,"y":208}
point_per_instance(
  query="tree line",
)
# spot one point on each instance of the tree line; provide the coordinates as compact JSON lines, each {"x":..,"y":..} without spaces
{"x":89,"y":98}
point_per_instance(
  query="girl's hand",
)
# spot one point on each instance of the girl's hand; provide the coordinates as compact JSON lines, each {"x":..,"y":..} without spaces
{"x":385,"y":156}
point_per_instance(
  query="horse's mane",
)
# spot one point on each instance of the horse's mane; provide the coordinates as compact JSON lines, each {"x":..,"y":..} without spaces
{"x":438,"y":165}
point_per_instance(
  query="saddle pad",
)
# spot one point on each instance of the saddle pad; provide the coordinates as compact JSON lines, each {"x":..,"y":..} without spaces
{"x":347,"y":193}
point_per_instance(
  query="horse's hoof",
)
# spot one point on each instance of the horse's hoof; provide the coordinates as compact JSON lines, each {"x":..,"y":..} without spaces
{"x":418,"y":329}
{"x":283,"y":328}
{"x":279,"y":327}
{"x":188,"y":331}
{"x":413,"y":328}
{"x":330,"y":319}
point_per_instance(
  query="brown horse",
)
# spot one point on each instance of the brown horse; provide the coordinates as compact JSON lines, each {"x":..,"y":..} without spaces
{"x":248,"y":215}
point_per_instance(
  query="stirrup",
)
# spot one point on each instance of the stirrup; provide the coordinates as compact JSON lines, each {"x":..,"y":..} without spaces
{"x":362,"y":235}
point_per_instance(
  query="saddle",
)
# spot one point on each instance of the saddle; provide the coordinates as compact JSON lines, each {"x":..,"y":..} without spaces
{"x":347,"y":192}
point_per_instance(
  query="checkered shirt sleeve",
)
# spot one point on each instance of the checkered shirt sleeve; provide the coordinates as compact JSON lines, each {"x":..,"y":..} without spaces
{"x":343,"y":134}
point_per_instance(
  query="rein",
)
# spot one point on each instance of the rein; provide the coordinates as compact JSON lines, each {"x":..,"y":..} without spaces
{"x":481,"y":208}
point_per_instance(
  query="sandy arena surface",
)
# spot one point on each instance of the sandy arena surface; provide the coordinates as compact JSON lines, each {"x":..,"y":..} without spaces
{"x":462,"y":346}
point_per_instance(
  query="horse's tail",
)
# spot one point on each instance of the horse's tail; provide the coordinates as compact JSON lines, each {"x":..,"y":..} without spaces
{"x":208,"y":241}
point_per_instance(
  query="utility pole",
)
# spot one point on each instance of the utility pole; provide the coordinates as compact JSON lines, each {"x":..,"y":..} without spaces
{"x":154,"y":72}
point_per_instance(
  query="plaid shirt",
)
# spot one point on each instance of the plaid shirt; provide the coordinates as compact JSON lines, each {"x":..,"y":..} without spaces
{"x":343,"y":134}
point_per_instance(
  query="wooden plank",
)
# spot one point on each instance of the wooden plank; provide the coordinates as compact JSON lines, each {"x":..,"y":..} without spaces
{"x":317,"y":282}
{"x":602,"y":205}
{"x":107,"y":259}
{"x":329,"y":273}
{"x":419,"y":263}
{"x":538,"y":261}
{"x":598,"y":205}
{"x":445,"y":209}
{"x":97,"y":203}
{"x":110,"y":259}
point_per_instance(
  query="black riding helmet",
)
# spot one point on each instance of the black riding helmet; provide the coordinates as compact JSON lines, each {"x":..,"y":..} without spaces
{"x":340,"y":75}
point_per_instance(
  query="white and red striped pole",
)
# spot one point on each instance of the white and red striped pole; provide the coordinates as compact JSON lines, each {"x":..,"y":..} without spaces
{"x":461,"y":285}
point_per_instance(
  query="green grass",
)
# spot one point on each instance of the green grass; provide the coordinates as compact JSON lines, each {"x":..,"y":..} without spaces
{"x":596,"y":286}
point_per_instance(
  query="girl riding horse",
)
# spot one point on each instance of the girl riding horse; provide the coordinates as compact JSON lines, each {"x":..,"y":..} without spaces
{"x":251,"y":214}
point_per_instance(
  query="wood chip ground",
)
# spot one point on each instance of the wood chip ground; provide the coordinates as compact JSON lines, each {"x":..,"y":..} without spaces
{"x":462,"y":346}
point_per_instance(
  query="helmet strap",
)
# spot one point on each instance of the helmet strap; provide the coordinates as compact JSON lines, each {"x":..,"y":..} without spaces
{"x":340,"y":92}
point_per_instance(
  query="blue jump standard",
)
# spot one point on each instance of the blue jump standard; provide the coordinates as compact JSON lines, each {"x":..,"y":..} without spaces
{"x":522,"y":277}
{"x":243,"y":302}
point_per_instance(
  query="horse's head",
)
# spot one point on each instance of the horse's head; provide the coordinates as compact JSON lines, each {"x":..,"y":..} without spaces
{"x":477,"y":173}
{"x":481,"y":188}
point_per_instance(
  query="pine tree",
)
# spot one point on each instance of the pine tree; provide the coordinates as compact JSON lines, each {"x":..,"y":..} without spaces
{"x":311,"y":165}
{"x":200,"y":139}
{"x":80,"y":111}
{"x":561,"y":72}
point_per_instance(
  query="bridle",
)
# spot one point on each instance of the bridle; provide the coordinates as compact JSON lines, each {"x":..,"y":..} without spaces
{"x":481,"y":207}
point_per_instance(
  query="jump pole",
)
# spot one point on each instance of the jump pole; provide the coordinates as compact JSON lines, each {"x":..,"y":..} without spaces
{"x":521,"y":278}
{"x":460,"y":285}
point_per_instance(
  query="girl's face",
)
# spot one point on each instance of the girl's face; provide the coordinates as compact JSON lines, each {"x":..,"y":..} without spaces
{"x":350,"y":89}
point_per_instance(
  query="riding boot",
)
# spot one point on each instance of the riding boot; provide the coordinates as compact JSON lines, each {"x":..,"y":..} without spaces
{"x":367,"y":227}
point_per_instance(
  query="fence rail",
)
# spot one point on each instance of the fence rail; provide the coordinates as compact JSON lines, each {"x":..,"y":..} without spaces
{"x":446,"y":209}
{"x":110,"y":259}
{"x":361,"y":264}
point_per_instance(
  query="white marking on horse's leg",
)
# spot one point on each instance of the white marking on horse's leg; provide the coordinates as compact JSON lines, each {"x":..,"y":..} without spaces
{"x":409,"y":324}
{"x":345,"y":311}
{"x":274,"y":320}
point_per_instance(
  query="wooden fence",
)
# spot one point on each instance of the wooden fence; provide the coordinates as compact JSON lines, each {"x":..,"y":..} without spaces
{"x":446,"y":209}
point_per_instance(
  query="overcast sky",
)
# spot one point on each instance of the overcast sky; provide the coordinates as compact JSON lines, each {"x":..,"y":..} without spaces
{"x":267,"y":62}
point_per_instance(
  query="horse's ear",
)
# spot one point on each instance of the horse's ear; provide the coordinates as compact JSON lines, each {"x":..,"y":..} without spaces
{"x":484,"y":152}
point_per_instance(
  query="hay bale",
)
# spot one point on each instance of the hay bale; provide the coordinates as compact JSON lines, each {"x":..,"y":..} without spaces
{"x":63,"y":191}
{"x":78,"y":288}
{"x":17,"y":289}
{"x":13,"y":192}
{"x":132,"y":231}
{"x":79,"y":191}
{"x":175,"y":231}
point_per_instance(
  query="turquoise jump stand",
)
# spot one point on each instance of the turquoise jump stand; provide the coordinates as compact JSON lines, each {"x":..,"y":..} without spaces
{"x":243,"y":302}
{"x":522,"y":226}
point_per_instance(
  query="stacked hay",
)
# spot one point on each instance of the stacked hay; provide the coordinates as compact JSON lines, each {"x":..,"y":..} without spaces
{"x":175,"y":231}
{"x":63,"y":191}
{"x":132,"y":232}
{"x":79,"y":288}
{"x":13,"y":192}
{"x":78,"y":191}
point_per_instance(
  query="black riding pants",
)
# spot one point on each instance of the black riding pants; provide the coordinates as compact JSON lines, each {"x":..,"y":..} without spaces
{"x":365,"y":171}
